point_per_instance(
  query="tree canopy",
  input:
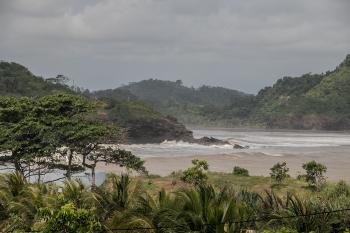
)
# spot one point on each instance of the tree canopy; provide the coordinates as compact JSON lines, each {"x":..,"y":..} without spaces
{"x":55,"y":132}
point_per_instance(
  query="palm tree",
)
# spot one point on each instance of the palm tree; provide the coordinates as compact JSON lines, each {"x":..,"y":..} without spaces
{"x":74,"y":191}
{"x":21,"y":201}
{"x":117,"y":197}
{"x":12,"y":186}
{"x":162,"y":212}
{"x":12,"y":183}
{"x":295,"y":206}
{"x":207,"y":211}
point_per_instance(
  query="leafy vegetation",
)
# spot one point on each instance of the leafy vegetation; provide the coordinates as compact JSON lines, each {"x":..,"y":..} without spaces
{"x":308,"y":102}
{"x":239,"y":171}
{"x":315,"y":173}
{"x":16,"y":80}
{"x":38,"y":135}
{"x":279,"y":172}
{"x":197,"y":174}
{"x":69,"y":219}
{"x":139,"y":121}
{"x":125,"y":203}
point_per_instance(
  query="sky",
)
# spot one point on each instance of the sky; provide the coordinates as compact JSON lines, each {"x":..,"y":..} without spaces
{"x":239,"y":44}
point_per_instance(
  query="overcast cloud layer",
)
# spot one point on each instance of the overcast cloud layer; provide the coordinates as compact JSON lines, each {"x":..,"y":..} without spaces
{"x":240,"y":44}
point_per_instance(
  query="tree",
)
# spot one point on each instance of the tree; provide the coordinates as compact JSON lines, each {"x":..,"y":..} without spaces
{"x":79,"y":138}
{"x":239,"y":171}
{"x":59,"y":79}
{"x":315,"y":173}
{"x":197,"y":174}
{"x":32,"y":130}
{"x":69,"y":219}
{"x":79,"y":134}
{"x":25,"y":139}
{"x":112,"y":155}
{"x":279,"y":172}
{"x":206,"y":210}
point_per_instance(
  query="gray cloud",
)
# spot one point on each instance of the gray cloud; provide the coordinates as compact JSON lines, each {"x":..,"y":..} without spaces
{"x":239,"y":44}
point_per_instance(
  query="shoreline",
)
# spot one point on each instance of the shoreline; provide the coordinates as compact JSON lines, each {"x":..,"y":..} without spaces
{"x":258,"y":163}
{"x":263,"y":129}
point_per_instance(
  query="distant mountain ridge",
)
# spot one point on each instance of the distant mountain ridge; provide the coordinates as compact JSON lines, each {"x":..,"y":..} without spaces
{"x":311,"y":101}
{"x":193,"y":106}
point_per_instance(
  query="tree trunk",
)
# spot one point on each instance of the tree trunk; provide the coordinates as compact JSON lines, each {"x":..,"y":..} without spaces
{"x":39,"y":175}
{"x":18,"y":166}
{"x":93,"y":176}
{"x":69,"y":170}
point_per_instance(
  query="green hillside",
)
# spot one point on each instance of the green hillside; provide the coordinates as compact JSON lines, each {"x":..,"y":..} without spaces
{"x":307,"y":102}
{"x":198,"y":106}
{"x":312,"y":101}
{"x":17,"y":80}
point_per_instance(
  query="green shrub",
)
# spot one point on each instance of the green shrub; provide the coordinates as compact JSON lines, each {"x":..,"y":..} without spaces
{"x":70,"y":219}
{"x":239,"y":171}
{"x":279,"y":172}
{"x":315,"y":173}
{"x":341,"y":189}
{"x":282,"y":230}
{"x":197,"y":174}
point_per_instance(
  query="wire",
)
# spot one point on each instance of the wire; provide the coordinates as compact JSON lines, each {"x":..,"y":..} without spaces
{"x":229,"y":222}
{"x":235,"y":222}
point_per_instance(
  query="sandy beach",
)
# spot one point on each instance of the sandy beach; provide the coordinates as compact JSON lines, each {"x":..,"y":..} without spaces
{"x":257,"y":162}
{"x":265,"y":149}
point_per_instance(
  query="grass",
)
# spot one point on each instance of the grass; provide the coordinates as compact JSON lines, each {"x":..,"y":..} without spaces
{"x":219,"y":180}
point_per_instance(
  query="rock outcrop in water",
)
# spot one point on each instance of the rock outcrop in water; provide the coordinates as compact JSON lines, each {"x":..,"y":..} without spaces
{"x":238,"y":146}
{"x":209,"y":141}
{"x":157,"y":131}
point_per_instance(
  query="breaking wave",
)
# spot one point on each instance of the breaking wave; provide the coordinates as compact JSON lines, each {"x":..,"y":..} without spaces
{"x":256,"y":140}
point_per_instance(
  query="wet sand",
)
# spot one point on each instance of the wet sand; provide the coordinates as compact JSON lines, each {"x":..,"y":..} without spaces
{"x":258,"y":162}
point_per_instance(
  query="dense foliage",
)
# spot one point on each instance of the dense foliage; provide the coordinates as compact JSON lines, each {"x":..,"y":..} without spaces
{"x":139,"y":121}
{"x":307,"y":102}
{"x":54,"y":132}
{"x":315,"y":173}
{"x":197,"y":174}
{"x":240,"y":171}
{"x":279,"y":172}
{"x":16,"y":80}
{"x":124,"y":203}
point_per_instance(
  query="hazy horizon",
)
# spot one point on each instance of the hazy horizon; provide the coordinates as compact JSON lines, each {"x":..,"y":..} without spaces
{"x":239,"y":45}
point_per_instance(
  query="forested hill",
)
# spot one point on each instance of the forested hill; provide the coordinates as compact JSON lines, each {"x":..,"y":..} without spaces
{"x":142,"y":123}
{"x":312,"y":101}
{"x":16,"y":80}
{"x":308,"y":102}
{"x":167,"y":92}
{"x":198,"y":106}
